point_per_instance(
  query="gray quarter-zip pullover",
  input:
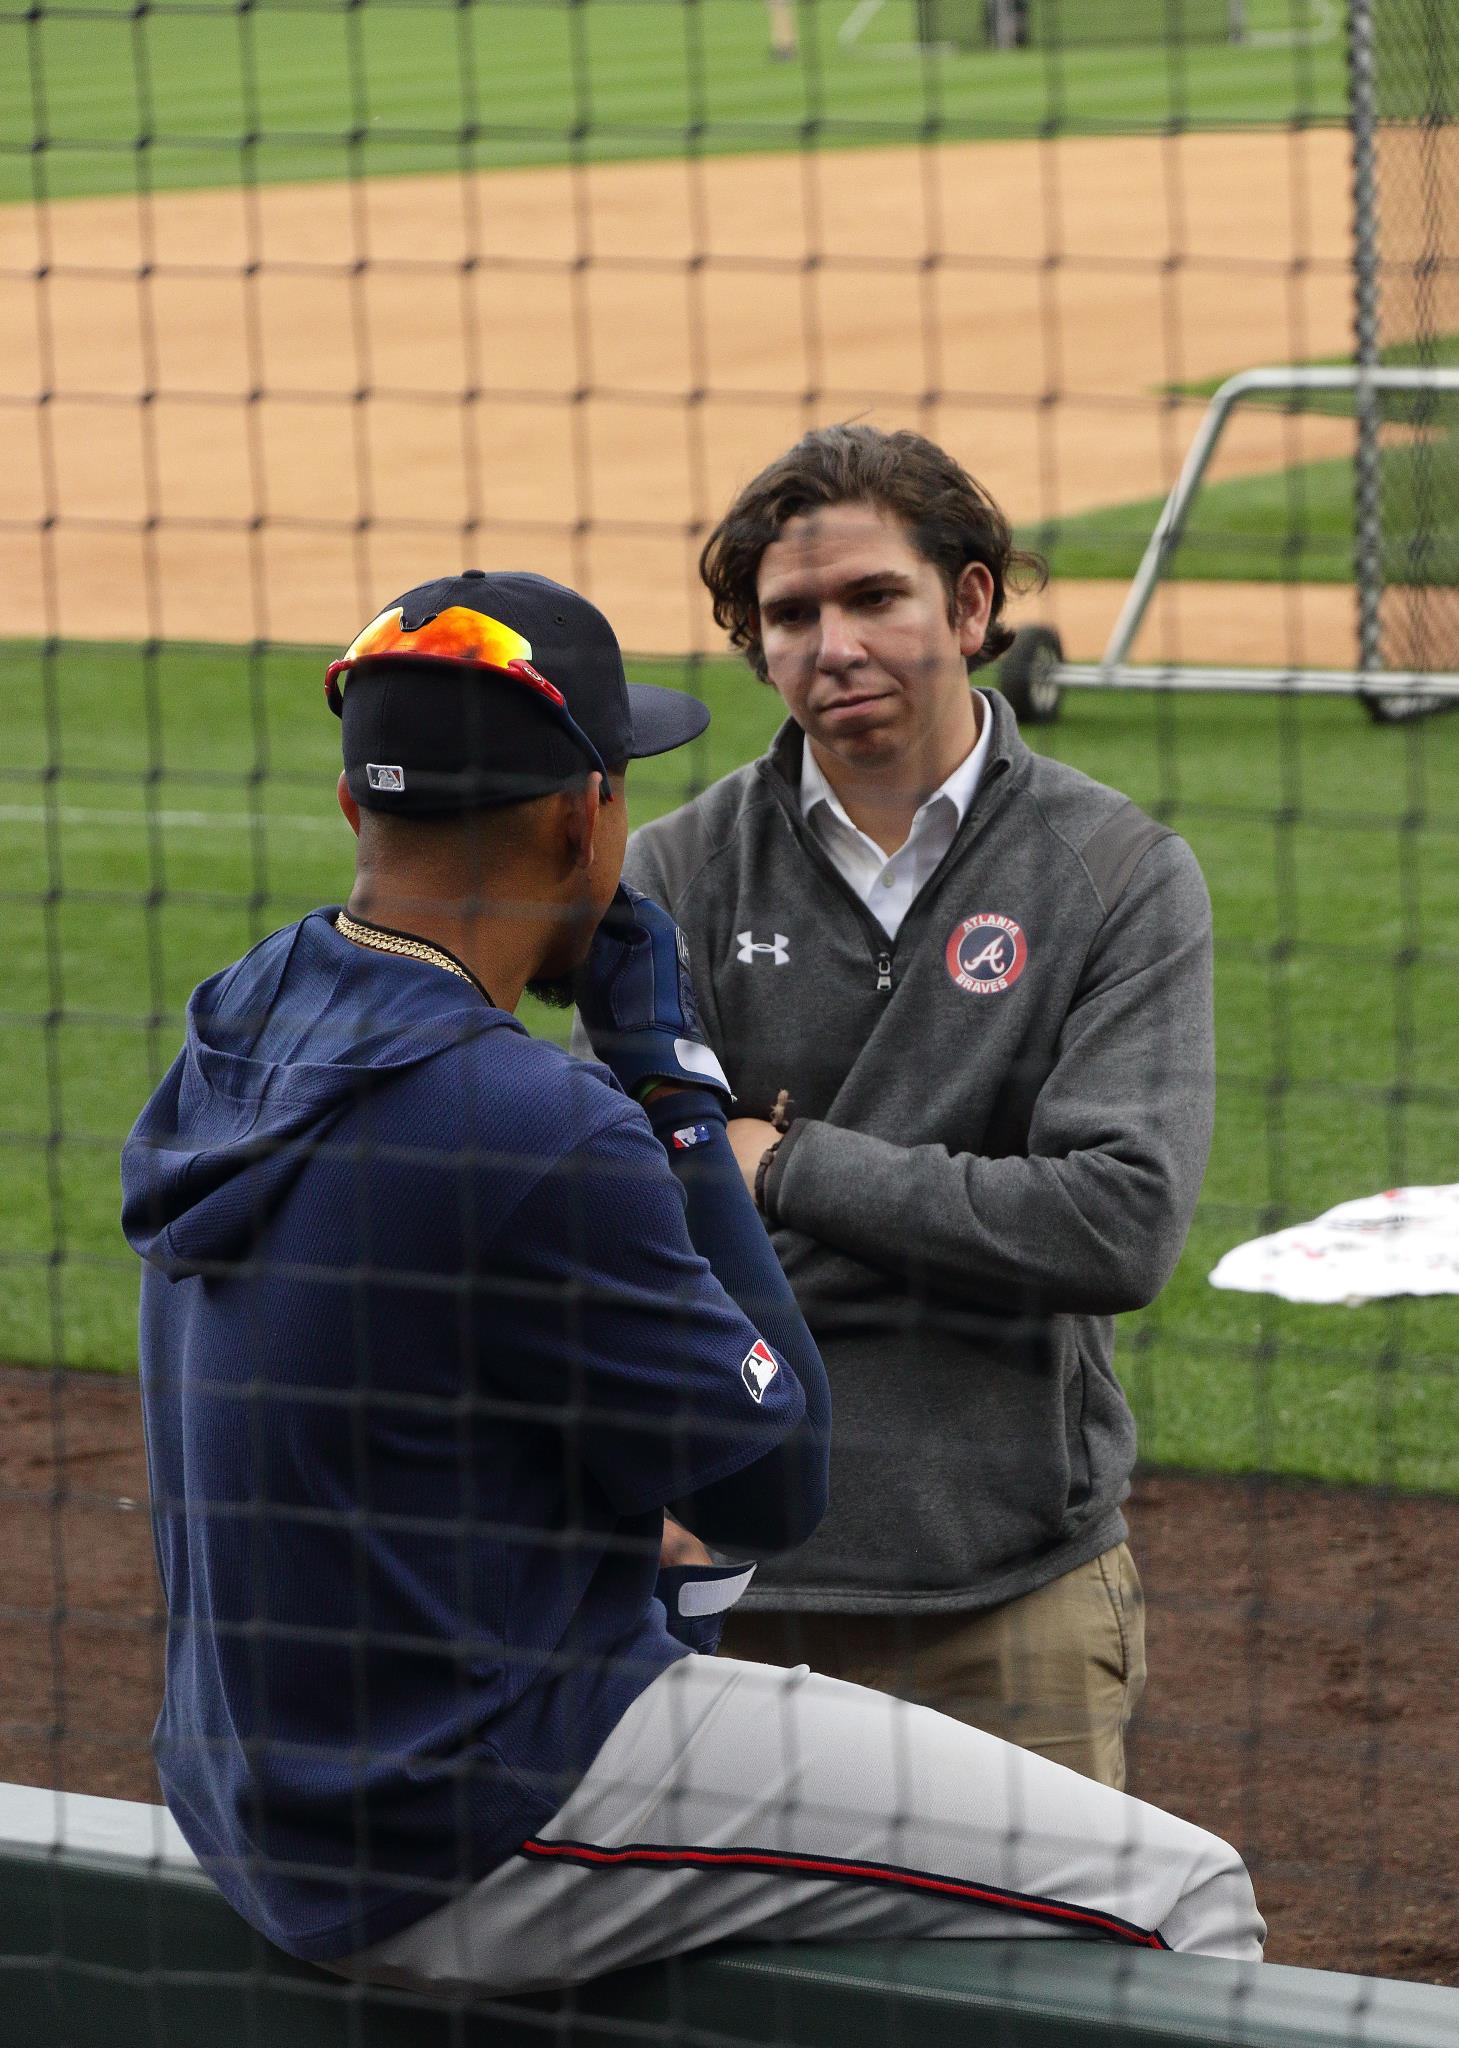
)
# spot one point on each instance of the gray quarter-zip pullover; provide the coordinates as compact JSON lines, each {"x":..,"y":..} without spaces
{"x":999,"y":1124}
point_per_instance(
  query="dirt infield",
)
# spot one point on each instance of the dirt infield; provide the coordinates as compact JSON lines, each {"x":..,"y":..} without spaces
{"x":1301,"y":1641}
{"x":264,"y":410}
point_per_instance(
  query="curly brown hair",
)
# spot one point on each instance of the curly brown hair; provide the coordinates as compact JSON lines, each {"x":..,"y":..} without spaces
{"x":950,"y":519}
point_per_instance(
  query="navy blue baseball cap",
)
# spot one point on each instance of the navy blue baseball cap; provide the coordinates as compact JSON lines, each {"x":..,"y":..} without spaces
{"x":483,"y":689}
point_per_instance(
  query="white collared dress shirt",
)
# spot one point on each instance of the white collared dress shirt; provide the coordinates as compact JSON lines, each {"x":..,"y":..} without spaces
{"x":887,"y":885}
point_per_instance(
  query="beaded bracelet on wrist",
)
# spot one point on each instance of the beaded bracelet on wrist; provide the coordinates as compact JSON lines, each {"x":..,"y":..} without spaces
{"x":762,"y":1172}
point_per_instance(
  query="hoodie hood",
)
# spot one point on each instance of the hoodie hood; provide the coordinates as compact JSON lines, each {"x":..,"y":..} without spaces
{"x":279,"y":1046}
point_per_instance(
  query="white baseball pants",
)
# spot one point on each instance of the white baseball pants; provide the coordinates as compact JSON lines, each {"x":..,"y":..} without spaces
{"x":745,"y":1802}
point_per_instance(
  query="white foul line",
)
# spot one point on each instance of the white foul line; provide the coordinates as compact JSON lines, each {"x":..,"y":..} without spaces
{"x":83,"y":814}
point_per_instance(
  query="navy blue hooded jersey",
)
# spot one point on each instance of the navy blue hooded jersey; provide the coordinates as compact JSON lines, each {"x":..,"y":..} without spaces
{"x":425,"y":1351}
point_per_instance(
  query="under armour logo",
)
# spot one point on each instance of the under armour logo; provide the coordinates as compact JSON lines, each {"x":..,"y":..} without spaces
{"x":778,"y":948}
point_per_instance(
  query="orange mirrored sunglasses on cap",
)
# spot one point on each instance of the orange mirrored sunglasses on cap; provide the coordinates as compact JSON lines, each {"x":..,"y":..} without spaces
{"x":464,"y":639}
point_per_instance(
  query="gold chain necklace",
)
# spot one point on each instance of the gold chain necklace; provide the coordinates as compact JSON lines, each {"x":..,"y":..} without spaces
{"x":378,"y":941}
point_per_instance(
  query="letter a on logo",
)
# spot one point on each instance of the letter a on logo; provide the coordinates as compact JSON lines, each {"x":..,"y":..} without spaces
{"x":989,"y":961}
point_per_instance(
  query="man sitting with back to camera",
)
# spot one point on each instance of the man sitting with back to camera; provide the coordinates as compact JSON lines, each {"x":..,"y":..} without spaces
{"x":438,"y":1324}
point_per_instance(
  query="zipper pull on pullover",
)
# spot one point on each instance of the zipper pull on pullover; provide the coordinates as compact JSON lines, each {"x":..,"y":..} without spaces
{"x":883,"y":973}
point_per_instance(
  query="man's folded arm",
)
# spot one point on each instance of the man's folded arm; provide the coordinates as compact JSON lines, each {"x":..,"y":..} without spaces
{"x":784,"y":1493}
{"x":676,"y":1392}
{"x":1092,"y":1221}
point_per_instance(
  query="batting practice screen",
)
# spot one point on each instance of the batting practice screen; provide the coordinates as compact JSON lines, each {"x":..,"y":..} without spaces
{"x":998,"y":1196}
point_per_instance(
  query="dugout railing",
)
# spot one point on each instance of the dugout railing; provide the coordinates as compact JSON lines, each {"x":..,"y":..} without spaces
{"x":110,"y":1934}
{"x":1035,"y":674}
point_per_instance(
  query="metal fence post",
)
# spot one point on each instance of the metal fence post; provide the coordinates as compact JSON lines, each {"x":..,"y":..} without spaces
{"x":1368,"y":523}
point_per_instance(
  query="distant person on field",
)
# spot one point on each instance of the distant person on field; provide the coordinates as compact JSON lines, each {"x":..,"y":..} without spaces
{"x":438,"y":1323}
{"x":784,"y":43}
{"x":963,"y":996}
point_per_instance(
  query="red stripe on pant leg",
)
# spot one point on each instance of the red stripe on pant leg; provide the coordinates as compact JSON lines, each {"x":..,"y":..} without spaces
{"x":776,"y":1862}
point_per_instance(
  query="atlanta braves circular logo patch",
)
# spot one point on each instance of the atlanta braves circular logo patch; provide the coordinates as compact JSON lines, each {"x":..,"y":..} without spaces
{"x":986,"y":954}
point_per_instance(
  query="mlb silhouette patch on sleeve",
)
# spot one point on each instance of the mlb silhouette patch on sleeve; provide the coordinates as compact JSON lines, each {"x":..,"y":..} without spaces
{"x":758,"y":1368}
{"x":691,"y":1135}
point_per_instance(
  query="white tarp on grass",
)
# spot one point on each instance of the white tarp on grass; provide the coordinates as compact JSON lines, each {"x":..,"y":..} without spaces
{"x":1405,"y":1241}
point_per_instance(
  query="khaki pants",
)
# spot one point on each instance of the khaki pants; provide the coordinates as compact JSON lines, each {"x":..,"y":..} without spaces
{"x":1059,"y":1671}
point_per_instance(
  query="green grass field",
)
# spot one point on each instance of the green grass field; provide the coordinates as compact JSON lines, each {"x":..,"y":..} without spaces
{"x":156,"y":816}
{"x":1296,"y":525}
{"x":1434,"y":352}
{"x":204,"y":92}
{"x":1288,"y":526}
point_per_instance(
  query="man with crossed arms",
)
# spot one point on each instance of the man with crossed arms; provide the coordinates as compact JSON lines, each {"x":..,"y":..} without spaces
{"x":963,"y":996}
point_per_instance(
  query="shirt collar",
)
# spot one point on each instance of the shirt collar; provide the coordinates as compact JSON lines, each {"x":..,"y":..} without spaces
{"x":959,"y":789}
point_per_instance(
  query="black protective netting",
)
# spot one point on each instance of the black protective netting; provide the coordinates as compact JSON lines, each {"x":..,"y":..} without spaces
{"x":1417,"y":157}
{"x":304,"y":303}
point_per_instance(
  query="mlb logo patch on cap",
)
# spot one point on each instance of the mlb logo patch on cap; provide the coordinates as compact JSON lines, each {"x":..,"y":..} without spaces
{"x":381,"y":775}
{"x":758,"y":1368}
